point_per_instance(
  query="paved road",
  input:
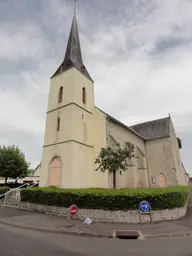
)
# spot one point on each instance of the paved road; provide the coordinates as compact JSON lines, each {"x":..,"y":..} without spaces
{"x":17,"y":242}
{"x":36,"y":221}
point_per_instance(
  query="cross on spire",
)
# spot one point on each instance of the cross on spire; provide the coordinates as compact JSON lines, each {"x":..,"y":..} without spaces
{"x":75,"y":6}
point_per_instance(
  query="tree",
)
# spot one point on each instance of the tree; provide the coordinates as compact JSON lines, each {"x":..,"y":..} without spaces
{"x":12,"y":163}
{"x":30,"y":172}
{"x":115,"y":160}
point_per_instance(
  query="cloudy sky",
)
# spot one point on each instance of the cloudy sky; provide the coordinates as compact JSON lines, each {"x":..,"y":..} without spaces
{"x":139,"y":50}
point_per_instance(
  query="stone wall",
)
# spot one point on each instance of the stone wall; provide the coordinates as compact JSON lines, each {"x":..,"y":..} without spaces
{"x":107,"y":216}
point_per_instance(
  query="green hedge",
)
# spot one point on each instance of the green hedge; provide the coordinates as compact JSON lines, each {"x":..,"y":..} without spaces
{"x":3,"y":190}
{"x":108,"y":199}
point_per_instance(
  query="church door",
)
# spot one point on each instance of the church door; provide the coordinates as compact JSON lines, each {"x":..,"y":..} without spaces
{"x":162,"y":180}
{"x":54,"y":177}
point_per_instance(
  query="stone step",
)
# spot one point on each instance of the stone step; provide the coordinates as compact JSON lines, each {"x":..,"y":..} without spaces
{"x":11,"y":196}
{"x":10,"y":201}
{"x":13,"y":202}
{"x":12,"y":193}
{"x":12,"y":206}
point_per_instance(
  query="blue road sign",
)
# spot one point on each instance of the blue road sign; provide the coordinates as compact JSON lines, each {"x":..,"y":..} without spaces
{"x":144,"y":206}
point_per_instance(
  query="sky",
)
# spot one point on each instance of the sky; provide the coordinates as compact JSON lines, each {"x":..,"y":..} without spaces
{"x":137,"y":51}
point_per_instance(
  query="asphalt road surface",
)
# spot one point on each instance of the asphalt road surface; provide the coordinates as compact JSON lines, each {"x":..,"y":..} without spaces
{"x":18,"y":242}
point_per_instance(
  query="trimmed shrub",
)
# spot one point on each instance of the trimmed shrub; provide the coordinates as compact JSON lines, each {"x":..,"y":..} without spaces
{"x":3,"y":190}
{"x":108,"y":199}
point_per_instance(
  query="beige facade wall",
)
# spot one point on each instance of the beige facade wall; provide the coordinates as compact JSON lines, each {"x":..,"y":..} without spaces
{"x":81,"y":166}
{"x":64,"y":152}
{"x":81,"y":136}
{"x":71,"y":110}
{"x":160,"y":160}
{"x":51,"y":135}
{"x":98,"y":179}
{"x":180,"y":172}
{"x":38,"y":170}
{"x":76,"y":164}
{"x":187,"y":179}
{"x":72,"y":143}
{"x":133,"y":177}
{"x":72,"y":81}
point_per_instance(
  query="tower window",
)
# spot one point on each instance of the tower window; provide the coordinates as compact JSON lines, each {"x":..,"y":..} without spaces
{"x":60,"y":95}
{"x":58,"y":124}
{"x":84,"y":95}
{"x":83,"y":69}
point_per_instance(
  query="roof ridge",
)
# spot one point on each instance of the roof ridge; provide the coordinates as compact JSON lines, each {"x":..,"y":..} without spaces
{"x":150,"y":122}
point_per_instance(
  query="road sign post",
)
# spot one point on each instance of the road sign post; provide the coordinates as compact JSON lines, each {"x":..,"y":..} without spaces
{"x":145,"y":209}
{"x":73,"y":210}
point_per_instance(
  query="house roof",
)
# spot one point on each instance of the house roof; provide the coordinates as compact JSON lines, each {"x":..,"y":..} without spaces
{"x":153,"y":129}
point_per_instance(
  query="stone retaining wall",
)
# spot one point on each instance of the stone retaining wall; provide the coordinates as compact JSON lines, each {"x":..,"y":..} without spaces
{"x":107,"y":216}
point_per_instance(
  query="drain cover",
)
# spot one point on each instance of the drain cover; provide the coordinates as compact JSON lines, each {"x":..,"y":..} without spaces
{"x":127,"y":234}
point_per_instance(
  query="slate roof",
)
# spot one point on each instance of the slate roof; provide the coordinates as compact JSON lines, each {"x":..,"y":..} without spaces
{"x":112,"y":119}
{"x":73,"y":56}
{"x":153,"y":129}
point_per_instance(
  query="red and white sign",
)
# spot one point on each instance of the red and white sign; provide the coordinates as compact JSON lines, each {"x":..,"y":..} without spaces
{"x":73,"y":210}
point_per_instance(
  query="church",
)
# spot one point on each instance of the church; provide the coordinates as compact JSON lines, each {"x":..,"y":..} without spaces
{"x":76,"y":130}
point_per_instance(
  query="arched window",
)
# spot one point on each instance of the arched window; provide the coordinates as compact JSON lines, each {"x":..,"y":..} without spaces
{"x":58,"y":124}
{"x":54,"y":174}
{"x":60,"y":98}
{"x":162,"y":180}
{"x":84,"y":95}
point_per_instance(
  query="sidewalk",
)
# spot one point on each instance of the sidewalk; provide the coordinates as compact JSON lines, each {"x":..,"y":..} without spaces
{"x":36,"y":221}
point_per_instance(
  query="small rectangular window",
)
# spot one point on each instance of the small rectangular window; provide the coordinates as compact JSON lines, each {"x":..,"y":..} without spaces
{"x":60,"y":95}
{"x":84,"y":95}
{"x":58,"y":124}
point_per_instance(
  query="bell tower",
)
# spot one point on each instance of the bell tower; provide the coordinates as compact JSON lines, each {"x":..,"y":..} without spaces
{"x":68,"y":143}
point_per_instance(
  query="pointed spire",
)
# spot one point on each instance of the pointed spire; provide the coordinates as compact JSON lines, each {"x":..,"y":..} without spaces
{"x":73,"y":51}
{"x":73,"y":56}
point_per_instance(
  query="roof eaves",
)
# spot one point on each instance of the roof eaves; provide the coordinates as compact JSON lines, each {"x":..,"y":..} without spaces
{"x":159,"y":137}
{"x":121,"y":124}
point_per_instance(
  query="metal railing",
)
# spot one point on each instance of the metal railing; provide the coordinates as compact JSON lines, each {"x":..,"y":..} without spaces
{"x":33,"y":185}
{"x":17,"y":193}
{"x":17,"y":190}
{"x":9,"y":191}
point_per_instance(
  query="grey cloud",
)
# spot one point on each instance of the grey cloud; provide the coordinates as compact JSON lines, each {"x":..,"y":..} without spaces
{"x":20,"y":11}
{"x":166,"y":44}
{"x":13,"y":66}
